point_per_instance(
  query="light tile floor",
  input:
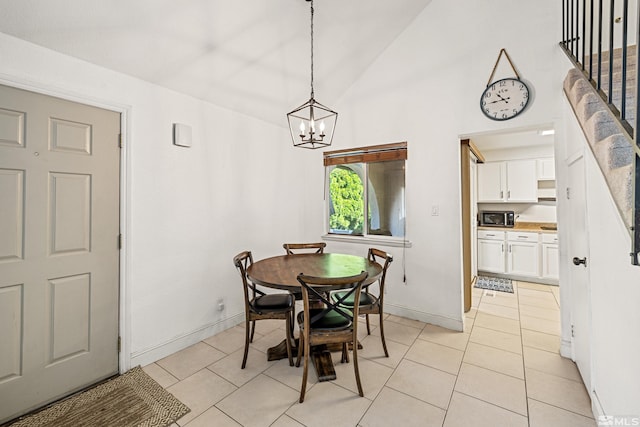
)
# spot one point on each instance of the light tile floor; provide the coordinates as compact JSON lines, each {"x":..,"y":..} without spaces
{"x":504,"y":370}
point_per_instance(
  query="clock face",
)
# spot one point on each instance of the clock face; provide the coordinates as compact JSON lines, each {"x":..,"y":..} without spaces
{"x":504,"y":99}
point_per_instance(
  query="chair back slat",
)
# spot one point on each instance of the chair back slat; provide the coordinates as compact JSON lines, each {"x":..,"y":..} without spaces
{"x":384,"y":259}
{"x":319,"y":288}
{"x":294,"y":248}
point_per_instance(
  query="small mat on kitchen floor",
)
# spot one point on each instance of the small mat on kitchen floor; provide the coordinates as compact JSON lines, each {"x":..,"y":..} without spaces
{"x":131,"y":399}
{"x":494,"y":284}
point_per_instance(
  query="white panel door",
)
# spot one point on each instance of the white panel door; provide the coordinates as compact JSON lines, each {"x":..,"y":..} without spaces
{"x":579,"y":271}
{"x":59,"y":227}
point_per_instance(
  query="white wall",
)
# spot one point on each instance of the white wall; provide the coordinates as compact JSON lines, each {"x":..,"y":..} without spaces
{"x":425,"y":89}
{"x":188,"y":211}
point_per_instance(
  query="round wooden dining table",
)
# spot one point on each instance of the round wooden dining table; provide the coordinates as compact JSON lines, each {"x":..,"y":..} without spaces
{"x":281,"y":272}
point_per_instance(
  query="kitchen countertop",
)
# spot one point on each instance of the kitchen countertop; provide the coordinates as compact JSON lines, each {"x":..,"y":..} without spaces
{"x":536,"y":227}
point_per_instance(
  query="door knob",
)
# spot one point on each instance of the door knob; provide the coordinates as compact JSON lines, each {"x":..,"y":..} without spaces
{"x":578,"y":261}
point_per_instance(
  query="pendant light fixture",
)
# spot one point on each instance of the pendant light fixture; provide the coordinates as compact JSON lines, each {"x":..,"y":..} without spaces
{"x":312,"y":124}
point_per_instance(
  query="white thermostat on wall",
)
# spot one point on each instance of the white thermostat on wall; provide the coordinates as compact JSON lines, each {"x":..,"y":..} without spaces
{"x":181,"y":135}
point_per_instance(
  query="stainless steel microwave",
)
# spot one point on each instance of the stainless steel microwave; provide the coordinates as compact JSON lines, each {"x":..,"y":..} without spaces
{"x":497,"y":219}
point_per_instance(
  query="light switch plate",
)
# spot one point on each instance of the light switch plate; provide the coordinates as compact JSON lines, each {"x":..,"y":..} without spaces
{"x":181,"y":135}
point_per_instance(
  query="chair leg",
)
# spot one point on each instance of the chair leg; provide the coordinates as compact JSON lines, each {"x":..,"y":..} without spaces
{"x":300,"y":349}
{"x":289,"y":340}
{"x":355,"y":368}
{"x":303,"y":388}
{"x":246,"y":345}
{"x":345,"y":353}
{"x":368,"y":326}
{"x":253,"y":329}
{"x":384,"y":342}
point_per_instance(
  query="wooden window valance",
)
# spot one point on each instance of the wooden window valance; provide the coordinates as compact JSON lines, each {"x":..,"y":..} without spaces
{"x":370,"y":154}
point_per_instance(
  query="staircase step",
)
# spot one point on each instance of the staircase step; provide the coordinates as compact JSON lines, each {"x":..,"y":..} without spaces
{"x":617,"y":53}
{"x":615,"y":150}
{"x":607,"y":139}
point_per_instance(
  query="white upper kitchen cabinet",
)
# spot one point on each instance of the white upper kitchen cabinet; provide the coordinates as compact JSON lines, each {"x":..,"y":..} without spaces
{"x":522,"y":181}
{"x":492,"y":183}
{"x":546,"y":169}
{"x":514,"y":181}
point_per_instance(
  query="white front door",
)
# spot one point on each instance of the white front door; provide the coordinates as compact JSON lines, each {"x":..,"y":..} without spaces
{"x":579,"y":274}
{"x":59,"y":255}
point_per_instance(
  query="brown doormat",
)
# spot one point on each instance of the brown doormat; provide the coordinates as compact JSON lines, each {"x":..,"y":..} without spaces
{"x":131,"y":399}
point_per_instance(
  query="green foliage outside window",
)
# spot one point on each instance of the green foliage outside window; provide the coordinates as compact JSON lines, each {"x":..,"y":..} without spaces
{"x":346,"y":190}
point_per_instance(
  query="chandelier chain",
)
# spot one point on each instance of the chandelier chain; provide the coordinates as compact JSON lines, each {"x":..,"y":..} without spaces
{"x":312,"y":49}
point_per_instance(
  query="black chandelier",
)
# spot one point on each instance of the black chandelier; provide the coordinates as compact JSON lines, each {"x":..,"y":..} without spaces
{"x":312,"y":124}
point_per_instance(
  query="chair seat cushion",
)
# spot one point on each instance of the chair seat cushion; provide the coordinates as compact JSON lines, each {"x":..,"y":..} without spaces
{"x":273,"y":302}
{"x":332,"y":320}
{"x":365,"y":298}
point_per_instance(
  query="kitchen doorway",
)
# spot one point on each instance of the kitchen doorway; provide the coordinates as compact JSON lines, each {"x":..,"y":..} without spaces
{"x":533,"y":147}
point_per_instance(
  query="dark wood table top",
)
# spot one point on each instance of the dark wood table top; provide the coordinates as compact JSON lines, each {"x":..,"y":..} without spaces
{"x":281,"y":272}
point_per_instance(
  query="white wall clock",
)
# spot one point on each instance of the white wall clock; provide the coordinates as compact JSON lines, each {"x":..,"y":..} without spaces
{"x":504,"y":99}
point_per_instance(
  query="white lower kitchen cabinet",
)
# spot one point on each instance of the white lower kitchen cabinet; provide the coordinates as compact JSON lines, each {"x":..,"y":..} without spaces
{"x":550,"y":256}
{"x":522,"y":258}
{"x":491,"y":255}
{"x":520,"y":254}
{"x":491,"y":251}
{"x":523,"y":253}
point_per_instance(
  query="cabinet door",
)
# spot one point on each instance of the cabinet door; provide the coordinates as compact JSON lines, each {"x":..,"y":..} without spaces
{"x":523,"y":258}
{"x":546,"y":169}
{"x":550,"y":261}
{"x":491,"y":255}
{"x":491,"y":182}
{"x":522,"y":181}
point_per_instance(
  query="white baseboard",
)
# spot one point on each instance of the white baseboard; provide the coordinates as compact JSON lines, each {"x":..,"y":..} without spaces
{"x":566,"y":349}
{"x":157,"y":352}
{"x":434,"y":319}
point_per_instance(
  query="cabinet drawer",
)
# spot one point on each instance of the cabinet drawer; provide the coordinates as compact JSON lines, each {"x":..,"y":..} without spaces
{"x":523,"y":236}
{"x":549,"y":238}
{"x":491,"y":235}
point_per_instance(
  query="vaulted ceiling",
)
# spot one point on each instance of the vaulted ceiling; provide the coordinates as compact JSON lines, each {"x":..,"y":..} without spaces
{"x":251,"y":56}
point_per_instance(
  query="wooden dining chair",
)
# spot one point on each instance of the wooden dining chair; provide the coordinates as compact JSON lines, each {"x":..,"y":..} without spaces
{"x":294,"y":248}
{"x":259,"y":305}
{"x":370,"y":303}
{"x":332,"y":324}
{"x":303,"y":248}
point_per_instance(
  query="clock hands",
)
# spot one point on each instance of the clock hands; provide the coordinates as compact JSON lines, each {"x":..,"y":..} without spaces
{"x":503,"y":99}
{"x":500,"y":100}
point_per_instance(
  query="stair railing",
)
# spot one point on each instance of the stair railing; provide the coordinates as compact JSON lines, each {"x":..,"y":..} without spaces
{"x":585,"y":30}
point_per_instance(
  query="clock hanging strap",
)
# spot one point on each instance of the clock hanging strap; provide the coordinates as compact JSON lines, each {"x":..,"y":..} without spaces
{"x":503,"y":50}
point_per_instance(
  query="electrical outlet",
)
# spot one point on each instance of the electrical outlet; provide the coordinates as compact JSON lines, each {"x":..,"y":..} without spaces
{"x":221,"y":304}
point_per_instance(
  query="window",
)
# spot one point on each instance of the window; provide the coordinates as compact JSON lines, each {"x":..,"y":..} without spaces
{"x":381,"y":201}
